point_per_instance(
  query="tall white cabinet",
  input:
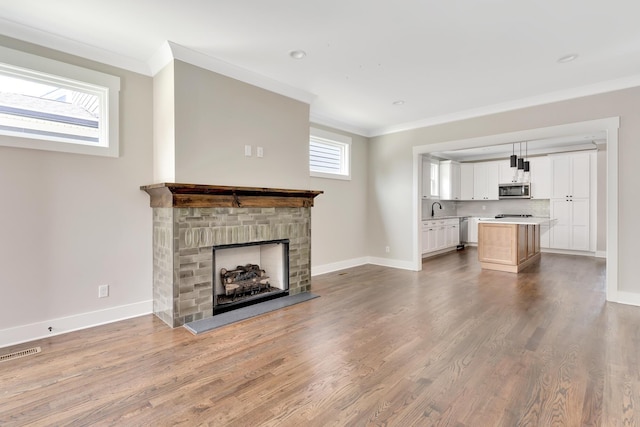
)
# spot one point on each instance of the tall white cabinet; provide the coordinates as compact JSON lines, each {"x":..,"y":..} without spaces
{"x":570,"y":201}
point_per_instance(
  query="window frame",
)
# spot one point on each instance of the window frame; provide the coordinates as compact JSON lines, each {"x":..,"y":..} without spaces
{"x":335,"y":139}
{"x":434,"y":178}
{"x":31,"y":67}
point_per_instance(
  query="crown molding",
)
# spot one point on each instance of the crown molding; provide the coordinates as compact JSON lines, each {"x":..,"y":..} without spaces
{"x":170,"y":51}
{"x":336,"y":124}
{"x":548,"y":98}
{"x":72,"y":47}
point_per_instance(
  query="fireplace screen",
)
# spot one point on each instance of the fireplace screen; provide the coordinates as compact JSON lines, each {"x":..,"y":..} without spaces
{"x":249,"y":273}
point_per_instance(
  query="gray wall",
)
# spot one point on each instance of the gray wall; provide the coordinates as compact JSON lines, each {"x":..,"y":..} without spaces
{"x":74,"y":222}
{"x":339,"y":218}
{"x":216,"y":116}
{"x":391,"y":166}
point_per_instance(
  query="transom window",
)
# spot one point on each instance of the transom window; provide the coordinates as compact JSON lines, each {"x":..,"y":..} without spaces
{"x":73,"y":110}
{"x":329,"y":155}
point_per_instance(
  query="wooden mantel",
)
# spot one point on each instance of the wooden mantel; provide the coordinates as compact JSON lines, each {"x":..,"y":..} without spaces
{"x":172,"y":195}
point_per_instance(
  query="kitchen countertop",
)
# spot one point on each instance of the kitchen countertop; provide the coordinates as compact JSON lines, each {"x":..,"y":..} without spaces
{"x":512,"y":220}
{"x":435,"y":218}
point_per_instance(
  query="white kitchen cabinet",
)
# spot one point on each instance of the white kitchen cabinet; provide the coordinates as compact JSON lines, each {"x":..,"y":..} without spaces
{"x":472,"y":230}
{"x":428,"y":240}
{"x":430,"y":178}
{"x":485,"y":181}
{"x":452,"y":234}
{"x":570,"y":205}
{"x":570,"y":229}
{"x":570,"y":175}
{"x":449,"y":180}
{"x":466,"y":181}
{"x":544,"y":236}
{"x":540,"y":177}
{"x":440,"y":234}
{"x":506,"y":174}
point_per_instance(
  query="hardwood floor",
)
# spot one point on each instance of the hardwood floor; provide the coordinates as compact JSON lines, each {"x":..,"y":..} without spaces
{"x":449,"y":346}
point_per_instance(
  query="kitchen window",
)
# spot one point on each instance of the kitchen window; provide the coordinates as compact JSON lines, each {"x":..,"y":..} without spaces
{"x":329,"y":155}
{"x":434,"y":178}
{"x":50,"y":105}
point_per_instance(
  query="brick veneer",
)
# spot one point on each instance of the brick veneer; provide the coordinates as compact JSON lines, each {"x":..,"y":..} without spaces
{"x":182,"y":252}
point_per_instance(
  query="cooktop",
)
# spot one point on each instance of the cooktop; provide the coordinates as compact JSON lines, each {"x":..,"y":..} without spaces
{"x":514,"y":216}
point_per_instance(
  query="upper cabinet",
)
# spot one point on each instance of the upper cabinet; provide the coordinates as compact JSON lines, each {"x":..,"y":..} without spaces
{"x":430,"y":178}
{"x":485,"y":180}
{"x":466,"y":181}
{"x":540,"y":177}
{"x":506,"y":173}
{"x":449,"y":180}
{"x":570,"y":175}
{"x":552,"y":176}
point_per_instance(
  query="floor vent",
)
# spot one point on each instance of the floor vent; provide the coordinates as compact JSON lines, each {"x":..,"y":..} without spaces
{"x":17,"y":354}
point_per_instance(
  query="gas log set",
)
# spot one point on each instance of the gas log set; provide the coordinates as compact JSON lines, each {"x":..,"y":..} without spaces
{"x":242,"y":282}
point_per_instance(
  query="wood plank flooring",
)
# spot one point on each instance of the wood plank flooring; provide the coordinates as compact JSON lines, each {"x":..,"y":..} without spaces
{"x":450,"y":346}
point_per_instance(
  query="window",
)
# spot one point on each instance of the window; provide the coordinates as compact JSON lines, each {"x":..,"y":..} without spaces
{"x":329,"y":155}
{"x":50,"y":105}
{"x":435,"y":178}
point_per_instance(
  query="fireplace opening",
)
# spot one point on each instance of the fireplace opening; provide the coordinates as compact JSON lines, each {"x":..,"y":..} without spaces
{"x":249,"y":273}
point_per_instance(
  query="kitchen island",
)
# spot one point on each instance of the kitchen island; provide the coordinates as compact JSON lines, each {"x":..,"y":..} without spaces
{"x":509,"y":244}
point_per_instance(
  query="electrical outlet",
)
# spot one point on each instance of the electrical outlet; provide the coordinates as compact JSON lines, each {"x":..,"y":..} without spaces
{"x":103,"y":291}
{"x":259,"y":152}
{"x":387,"y":249}
{"x":247,"y":150}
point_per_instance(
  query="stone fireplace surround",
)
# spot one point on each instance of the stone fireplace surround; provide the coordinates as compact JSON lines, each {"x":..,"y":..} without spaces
{"x":189,"y":219}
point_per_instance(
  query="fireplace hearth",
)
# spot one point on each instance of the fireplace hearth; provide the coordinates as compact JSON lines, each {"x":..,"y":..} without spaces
{"x":192,"y":223}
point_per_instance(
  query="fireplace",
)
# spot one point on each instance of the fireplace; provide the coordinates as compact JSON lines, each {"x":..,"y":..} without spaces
{"x":192,"y":223}
{"x":249,"y":273}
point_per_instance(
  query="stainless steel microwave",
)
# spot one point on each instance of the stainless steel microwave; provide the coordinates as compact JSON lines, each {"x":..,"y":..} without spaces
{"x":514,"y":190}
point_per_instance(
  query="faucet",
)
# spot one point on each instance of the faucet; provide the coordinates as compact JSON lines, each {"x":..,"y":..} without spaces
{"x":434,"y":203}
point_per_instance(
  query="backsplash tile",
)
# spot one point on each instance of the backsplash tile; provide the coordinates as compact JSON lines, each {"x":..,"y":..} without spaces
{"x":494,"y":207}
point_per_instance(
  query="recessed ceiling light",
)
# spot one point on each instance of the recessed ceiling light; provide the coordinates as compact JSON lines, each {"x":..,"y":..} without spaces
{"x":568,"y":58}
{"x":297,"y":54}
{"x":398,"y":102}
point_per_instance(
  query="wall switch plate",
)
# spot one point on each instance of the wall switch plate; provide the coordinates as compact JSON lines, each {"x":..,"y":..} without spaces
{"x":247,"y":150}
{"x":259,"y":152}
{"x":103,"y":291}
{"x":387,"y":249}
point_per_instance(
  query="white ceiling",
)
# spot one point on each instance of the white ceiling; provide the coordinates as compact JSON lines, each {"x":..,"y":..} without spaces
{"x":445,"y":59}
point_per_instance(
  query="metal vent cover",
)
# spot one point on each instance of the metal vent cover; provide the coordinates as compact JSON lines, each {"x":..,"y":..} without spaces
{"x":18,"y":354}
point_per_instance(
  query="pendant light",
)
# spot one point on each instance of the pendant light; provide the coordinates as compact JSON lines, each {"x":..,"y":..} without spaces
{"x":520,"y":159}
{"x":526,"y":153}
{"x":513,"y":158}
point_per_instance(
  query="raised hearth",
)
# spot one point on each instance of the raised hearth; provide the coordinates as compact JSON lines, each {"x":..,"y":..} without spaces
{"x":189,"y":220}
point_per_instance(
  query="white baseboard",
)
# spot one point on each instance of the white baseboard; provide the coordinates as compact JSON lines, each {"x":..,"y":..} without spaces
{"x":567,"y":252}
{"x":629,"y":298}
{"x":337,"y":266}
{"x":394,"y":263}
{"x":356,"y":262}
{"x":62,"y":325}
